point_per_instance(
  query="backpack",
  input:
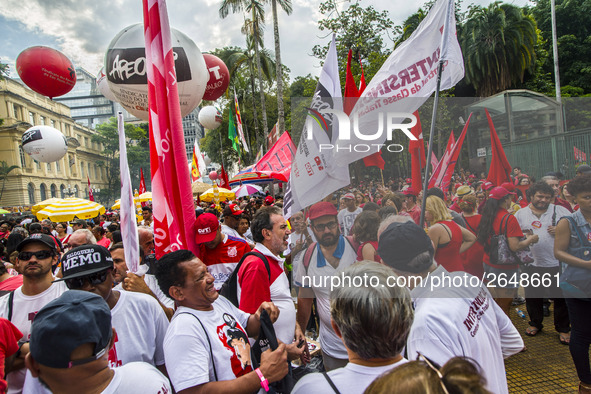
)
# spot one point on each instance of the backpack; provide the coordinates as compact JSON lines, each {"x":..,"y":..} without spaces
{"x":308,"y":255}
{"x":230,"y":287}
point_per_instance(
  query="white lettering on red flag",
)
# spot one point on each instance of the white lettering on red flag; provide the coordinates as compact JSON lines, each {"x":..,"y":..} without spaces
{"x":277,"y":161}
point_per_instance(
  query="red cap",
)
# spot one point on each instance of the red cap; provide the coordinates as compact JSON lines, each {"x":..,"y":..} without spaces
{"x":509,"y":186}
{"x":487,"y":185}
{"x":320,"y":209}
{"x":207,"y":228}
{"x":349,"y":196}
{"x":408,"y":180}
{"x":236,"y":209}
{"x":410,"y":192}
{"x":498,"y":193}
{"x":269,"y":200}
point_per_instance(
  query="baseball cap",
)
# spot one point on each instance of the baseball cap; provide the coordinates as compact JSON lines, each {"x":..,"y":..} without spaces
{"x":75,"y":318}
{"x":583,"y":169}
{"x":487,"y":185}
{"x":408,"y":180}
{"x":45,"y":239}
{"x":207,"y":228}
{"x":499,"y":193}
{"x":232,"y":209}
{"x":508,"y":185}
{"x":320,"y":209}
{"x":269,"y":200}
{"x":85,"y":260}
{"x":400,"y":243}
{"x":79,"y":222}
{"x":409,"y":191}
{"x":463,"y":190}
{"x":349,"y":196}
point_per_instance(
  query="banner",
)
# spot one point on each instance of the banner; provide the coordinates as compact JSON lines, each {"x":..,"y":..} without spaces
{"x":129,"y":233}
{"x":273,"y":136}
{"x":142,"y":182}
{"x":232,"y":134}
{"x":449,"y":165}
{"x":500,"y":169}
{"x":90,"y":194}
{"x":223,"y":179}
{"x":172,"y":198}
{"x":435,"y":178}
{"x":417,"y":155}
{"x":239,"y":124}
{"x":580,"y":156}
{"x":314,"y":173}
{"x":198,"y":167}
{"x":277,"y":161}
{"x":407,"y":78}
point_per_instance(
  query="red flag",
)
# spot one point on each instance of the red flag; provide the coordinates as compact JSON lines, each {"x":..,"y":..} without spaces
{"x":174,"y":212}
{"x":273,"y":136}
{"x":142,"y":182}
{"x":580,"y":156}
{"x":362,"y":84}
{"x":375,"y":160}
{"x":90,"y":194}
{"x":500,"y":169}
{"x":351,"y":91}
{"x":448,"y":168}
{"x":417,"y":154}
{"x":435,"y":175}
{"x":223,"y":179}
{"x":434,"y":161}
{"x":277,"y":161}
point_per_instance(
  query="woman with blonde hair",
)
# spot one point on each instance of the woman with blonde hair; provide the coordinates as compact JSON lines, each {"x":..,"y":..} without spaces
{"x":449,"y":238}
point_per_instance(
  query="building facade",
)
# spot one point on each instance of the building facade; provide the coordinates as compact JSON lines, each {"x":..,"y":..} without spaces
{"x":22,"y":108}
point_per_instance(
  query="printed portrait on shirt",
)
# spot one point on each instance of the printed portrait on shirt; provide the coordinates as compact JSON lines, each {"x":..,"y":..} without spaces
{"x":234,"y":338}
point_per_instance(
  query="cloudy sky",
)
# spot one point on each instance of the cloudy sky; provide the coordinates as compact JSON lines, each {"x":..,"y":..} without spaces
{"x":82,"y":29}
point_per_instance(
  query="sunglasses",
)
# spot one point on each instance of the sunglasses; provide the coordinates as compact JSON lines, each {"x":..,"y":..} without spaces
{"x":40,"y":255}
{"x":321,"y":226}
{"x":437,"y":371}
{"x":94,"y":279}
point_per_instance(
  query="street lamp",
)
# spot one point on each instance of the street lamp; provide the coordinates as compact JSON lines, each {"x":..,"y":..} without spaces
{"x":70,"y":191}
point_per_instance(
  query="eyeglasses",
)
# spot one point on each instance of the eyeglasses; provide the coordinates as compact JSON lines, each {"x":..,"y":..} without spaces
{"x":430,"y":365}
{"x":94,"y":279}
{"x":40,"y":255}
{"x":321,"y":226}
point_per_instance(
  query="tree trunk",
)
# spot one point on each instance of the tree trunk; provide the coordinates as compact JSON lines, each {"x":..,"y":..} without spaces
{"x":260,"y":74}
{"x":254,"y":108}
{"x":278,"y":71}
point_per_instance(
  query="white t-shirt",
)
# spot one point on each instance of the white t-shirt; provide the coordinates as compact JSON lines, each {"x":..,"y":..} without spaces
{"x":24,"y":309}
{"x":230,"y":231}
{"x":140,"y":378}
{"x":319,"y":279}
{"x":346,"y":220}
{"x":462,"y":321}
{"x":152,"y":284}
{"x":141,"y":326}
{"x":351,"y":379}
{"x":543,"y":250}
{"x":187,"y":350}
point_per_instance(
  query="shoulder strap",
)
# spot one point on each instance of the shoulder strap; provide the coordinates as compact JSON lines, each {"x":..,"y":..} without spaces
{"x":504,"y":219}
{"x":582,"y":240}
{"x":215,"y":374}
{"x":308,"y":255}
{"x":468,"y":224}
{"x":448,"y":231}
{"x":331,"y":383}
{"x":260,"y":256}
{"x":10,"y":304}
{"x":554,"y":216}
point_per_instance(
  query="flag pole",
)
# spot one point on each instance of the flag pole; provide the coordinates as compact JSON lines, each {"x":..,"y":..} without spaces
{"x":382,"y":174}
{"x":450,"y":7}
{"x":221,"y":148}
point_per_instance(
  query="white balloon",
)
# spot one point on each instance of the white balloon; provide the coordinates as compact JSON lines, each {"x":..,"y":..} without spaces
{"x":103,"y":85}
{"x":125,"y":65}
{"x":207,"y":160}
{"x":44,"y":143}
{"x":210,"y":117}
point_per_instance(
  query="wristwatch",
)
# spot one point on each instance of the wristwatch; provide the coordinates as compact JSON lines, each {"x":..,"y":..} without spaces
{"x":264,"y":381}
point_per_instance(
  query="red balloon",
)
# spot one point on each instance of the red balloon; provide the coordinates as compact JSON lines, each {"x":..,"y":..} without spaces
{"x":213,"y":175}
{"x":45,"y":70}
{"x":219,"y":77}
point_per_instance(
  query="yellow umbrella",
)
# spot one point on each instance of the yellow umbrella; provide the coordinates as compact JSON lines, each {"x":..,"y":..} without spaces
{"x":147,"y":196}
{"x":39,"y":206}
{"x":199,"y":187}
{"x":224,"y":194}
{"x":117,"y":204}
{"x":69,"y":208}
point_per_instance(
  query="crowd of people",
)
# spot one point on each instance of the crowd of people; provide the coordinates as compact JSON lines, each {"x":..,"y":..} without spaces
{"x":379,"y":296}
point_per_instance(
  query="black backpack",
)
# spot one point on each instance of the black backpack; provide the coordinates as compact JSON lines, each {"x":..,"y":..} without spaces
{"x":230,"y":287}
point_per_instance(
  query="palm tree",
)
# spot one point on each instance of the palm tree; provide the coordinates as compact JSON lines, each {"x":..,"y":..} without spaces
{"x":253,"y":28}
{"x":5,"y":170}
{"x":498,"y":46}
{"x":287,"y":7}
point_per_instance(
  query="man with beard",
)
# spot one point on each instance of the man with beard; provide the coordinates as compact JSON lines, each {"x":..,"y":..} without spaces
{"x":540,"y":217}
{"x":36,"y":256}
{"x":322,"y":260}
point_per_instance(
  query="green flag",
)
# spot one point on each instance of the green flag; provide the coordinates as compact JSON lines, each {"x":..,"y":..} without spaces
{"x":232,"y":134}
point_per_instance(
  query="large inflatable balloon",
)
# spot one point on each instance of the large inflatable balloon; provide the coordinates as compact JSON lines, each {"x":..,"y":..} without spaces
{"x":219,"y":77}
{"x":45,"y":70}
{"x":44,"y":143}
{"x":213,"y":175}
{"x":125,"y":66}
{"x":103,"y":85}
{"x":210,"y":117}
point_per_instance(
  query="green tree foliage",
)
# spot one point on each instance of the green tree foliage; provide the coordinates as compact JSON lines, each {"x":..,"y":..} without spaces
{"x":138,"y":155}
{"x":5,"y":171}
{"x":4,"y":70}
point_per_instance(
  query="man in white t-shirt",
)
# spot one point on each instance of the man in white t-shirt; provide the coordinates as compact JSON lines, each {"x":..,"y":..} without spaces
{"x":140,"y":282}
{"x":37,"y":254}
{"x":455,"y":315}
{"x":328,"y":257}
{"x":206,"y":346}
{"x":138,"y":318}
{"x":148,"y":220}
{"x":373,"y":320}
{"x":540,"y":217}
{"x":71,"y":339}
{"x":232,"y":214}
{"x":348,"y":214}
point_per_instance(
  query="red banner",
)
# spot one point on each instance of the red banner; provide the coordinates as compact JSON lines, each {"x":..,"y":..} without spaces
{"x":277,"y":161}
{"x":580,"y":156}
{"x":90,"y":194}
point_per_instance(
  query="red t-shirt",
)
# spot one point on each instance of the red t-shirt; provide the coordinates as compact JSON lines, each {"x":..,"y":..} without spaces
{"x":513,"y":230}
{"x":12,"y":283}
{"x":254,"y":282}
{"x":222,"y":260}
{"x":415,"y":213}
{"x":448,"y":256}
{"x":9,"y":337}
{"x":473,"y":257}
{"x":563,"y":203}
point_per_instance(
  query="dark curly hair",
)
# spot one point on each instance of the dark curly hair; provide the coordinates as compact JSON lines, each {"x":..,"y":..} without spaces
{"x":539,"y":187}
{"x":262,"y":220}
{"x":580,"y":184}
{"x":169,"y":272}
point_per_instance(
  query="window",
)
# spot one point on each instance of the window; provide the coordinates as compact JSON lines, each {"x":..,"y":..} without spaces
{"x":95,"y":172}
{"x":52,"y":123}
{"x":31,"y":190}
{"x":41,"y":120}
{"x":22,"y":155}
{"x":82,"y":170}
{"x":38,"y":164}
{"x":43,"y":191}
{"x":48,"y":167}
{"x":31,"y":118}
{"x":17,"y":111}
{"x":63,"y":191}
{"x":88,"y":170}
{"x":57,"y":165}
{"x":53,"y":190}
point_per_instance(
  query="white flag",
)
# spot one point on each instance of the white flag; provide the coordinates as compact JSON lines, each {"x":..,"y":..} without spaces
{"x":314,"y":175}
{"x":407,"y":78}
{"x":128,"y":220}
